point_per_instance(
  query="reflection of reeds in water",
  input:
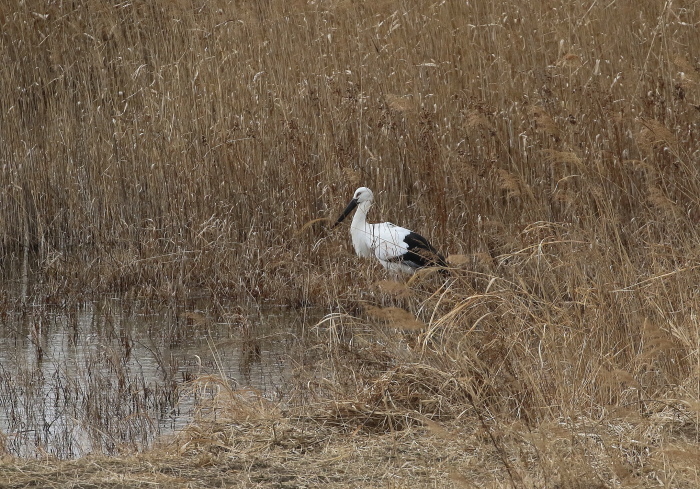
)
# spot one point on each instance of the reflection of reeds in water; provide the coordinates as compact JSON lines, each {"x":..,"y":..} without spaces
{"x":68,"y":395}
{"x":62,"y":413}
{"x":100,"y":381}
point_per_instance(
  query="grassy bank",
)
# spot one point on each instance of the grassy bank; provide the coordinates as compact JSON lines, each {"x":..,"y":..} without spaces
{"x":169,"y":149}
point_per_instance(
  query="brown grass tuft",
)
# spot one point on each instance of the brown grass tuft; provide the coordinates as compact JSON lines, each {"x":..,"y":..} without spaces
{"x":393,"y":288}
{"x":399,"y":103}
{"x":552,"y":157}
{"x":544,"y":122}
{"x":395,"y":317}
{"x":654,"y":135}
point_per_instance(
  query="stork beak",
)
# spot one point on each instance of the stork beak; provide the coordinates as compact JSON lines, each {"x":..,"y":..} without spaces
{"x":351,"y":206}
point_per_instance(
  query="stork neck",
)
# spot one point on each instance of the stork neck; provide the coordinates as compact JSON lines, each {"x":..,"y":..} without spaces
{"x":360,"y":217}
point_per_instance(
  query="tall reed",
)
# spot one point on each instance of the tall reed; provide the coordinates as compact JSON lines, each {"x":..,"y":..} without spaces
{"x":172,"y":142}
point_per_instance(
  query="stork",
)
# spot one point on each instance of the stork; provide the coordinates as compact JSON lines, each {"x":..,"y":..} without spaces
{"x":397,"y":249}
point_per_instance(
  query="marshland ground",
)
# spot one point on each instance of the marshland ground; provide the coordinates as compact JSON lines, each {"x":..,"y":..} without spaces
{"x":163,"y":150}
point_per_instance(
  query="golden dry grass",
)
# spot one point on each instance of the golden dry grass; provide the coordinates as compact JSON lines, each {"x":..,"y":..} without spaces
{"x":167,"y":148}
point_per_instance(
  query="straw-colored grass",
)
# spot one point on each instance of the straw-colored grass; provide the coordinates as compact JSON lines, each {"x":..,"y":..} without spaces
{"x":173,"y":148}
{"x":164,"y":149}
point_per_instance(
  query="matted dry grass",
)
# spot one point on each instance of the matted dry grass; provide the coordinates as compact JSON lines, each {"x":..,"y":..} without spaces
{"x":347,"y":444}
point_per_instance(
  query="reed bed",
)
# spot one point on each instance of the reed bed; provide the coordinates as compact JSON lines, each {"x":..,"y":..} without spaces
{"x":169,"y":149}
{"x":172,"y":148}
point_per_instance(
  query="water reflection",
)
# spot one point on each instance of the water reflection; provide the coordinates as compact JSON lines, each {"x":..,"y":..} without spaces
{"x":105,"y":377}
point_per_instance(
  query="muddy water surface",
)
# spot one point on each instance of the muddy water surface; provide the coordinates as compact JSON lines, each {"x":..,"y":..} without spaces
{"x":109,"y":376}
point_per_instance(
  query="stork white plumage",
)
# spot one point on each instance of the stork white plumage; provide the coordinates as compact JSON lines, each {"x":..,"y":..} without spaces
{"x":397,"y":249}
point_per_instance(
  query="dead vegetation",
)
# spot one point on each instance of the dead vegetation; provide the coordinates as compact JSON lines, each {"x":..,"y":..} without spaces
{"x":163,"y":149}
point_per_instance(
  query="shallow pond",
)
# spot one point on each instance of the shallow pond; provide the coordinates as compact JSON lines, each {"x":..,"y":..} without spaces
{"x":112,"y":375}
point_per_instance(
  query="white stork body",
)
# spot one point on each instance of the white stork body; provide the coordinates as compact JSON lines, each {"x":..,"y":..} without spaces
{"x":397,"y":249}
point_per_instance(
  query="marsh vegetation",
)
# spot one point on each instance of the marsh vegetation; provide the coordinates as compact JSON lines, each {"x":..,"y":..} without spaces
{"x":165,"y":150}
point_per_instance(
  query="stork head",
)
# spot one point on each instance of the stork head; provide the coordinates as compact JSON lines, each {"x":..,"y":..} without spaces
{"x":362,"y":194}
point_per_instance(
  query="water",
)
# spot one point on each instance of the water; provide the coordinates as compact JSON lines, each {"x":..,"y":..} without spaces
{"x":110,"y":376}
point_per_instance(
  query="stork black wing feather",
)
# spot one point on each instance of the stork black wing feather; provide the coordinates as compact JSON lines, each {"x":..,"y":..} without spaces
{"x":420,"y":253}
